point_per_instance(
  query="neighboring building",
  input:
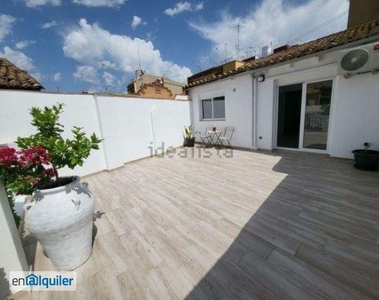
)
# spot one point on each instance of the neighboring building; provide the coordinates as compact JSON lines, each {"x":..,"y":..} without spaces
{"x":14,"y":78}
{"x":362,"y":11}
{"x":230,"y":67}
{"x":175,"y":88}
{"x":218,"y":71}
{"x":321,"y":96}
{"x":154,"y":90}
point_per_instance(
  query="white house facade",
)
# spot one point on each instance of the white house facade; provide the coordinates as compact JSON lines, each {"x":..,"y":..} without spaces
{"x":299,"y":101}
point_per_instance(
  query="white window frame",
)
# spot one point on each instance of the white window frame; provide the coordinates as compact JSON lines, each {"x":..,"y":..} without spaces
{"x":212,"y":99}
{"x":302,"y":116}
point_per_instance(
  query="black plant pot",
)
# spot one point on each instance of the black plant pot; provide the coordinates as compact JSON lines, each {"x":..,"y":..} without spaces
{"x":189,"y":142}
{"x":366,"y":159}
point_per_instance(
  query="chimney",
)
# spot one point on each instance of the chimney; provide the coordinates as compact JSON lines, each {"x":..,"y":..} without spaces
{"x":362,"y":11}
{"x":266,"y":50}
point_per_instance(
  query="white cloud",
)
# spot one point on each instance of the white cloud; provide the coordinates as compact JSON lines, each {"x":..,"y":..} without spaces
{"x":272,"y":22}
{"x":150,"y":36}
{"x":35,"y":3}
{"x":199,"y":6}
{"x":24,"y":44}
{"x":57,"y":76}
{"x":97,"y":3}
{"x":6,"y":23}
{"x":86,"y":73}
{"x":137,"y":21}
{"x":49,"y":24}
{"x":182,"y":7}
{"x":178,"y":9}
{"x":38,"y":76}
{"x":110,"y":80}
{"x":18,"y":58}
{"x":91,"y":45}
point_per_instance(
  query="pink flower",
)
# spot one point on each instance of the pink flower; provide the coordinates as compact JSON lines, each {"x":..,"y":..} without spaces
{"x":26,"y":167}
{"x":49,"y":172}
{"x":7,"y":155}
{"x":35,"y":156}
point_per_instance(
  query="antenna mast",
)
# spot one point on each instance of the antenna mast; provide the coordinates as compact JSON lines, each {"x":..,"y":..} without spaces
{"x":139,"y":57}
{"x":139,"y":72}
{"x":238,"y":27}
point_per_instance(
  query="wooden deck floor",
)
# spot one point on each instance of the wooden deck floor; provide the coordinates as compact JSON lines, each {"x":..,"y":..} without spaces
{"x":255,"y":226}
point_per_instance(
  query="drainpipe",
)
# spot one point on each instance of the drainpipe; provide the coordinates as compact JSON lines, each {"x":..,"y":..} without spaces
{"x":254,"y":112}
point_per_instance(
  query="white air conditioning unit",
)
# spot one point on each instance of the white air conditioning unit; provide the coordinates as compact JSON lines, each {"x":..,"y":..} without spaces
{"x":359,"y":60}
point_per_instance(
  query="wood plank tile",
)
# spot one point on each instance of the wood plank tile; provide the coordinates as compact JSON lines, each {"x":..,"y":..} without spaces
{"x":256,"y":226}
{"x":366,"y":279}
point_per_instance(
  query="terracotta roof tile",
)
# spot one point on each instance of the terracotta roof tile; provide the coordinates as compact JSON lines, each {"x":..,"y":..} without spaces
{"x":11,"y":77}
{"x":328,"y":42}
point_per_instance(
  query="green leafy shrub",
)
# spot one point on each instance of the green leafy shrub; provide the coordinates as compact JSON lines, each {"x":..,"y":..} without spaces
{"x":63,"y":152}
{"x":42,"y":154}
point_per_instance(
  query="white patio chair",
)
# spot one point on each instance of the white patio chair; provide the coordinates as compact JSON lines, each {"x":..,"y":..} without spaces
{"x":227,"y":137}
{"x":205,"y":138}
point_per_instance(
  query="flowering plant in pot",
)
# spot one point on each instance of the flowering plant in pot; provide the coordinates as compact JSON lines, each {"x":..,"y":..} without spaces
{"x":366,"y":159}
{"x":60,"y":214}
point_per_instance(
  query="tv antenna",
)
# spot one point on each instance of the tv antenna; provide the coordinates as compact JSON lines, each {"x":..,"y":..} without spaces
{"x":238,"y":28}
{"x":139,"y":72}
{"x":139,"y":57}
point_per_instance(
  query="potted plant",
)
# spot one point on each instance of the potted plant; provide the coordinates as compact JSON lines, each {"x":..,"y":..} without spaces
{"x":366,"y":159}
{"x":60,"y":214}
{"x":189,"y":139}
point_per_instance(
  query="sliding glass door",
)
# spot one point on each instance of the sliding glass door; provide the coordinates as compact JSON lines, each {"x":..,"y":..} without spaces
{"x":289,"y":115}
{"x":303,"y":115}
{"x":316,"y":121}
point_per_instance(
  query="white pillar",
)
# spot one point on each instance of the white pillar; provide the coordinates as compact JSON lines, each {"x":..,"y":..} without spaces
{"x":12,"y":255}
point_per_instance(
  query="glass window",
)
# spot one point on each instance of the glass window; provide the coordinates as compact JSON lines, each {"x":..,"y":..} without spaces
{"x":213,"y":108}
{"x":219,"y":108}
{"x":207,"y":109}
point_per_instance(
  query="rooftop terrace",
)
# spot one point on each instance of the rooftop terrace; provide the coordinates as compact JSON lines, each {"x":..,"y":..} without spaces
{"x":255,"y":226}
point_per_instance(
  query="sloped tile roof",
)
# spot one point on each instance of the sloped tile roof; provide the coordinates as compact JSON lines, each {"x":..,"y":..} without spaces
{"x":328,"y":42}
{"x":11,"y":77}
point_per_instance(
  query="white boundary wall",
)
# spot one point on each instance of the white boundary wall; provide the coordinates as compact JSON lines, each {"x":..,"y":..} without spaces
{"x":128,"y":125}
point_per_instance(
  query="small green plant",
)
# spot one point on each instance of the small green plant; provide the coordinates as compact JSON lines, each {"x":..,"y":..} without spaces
{"x":62,"y":152}
{"x":188,"y":132}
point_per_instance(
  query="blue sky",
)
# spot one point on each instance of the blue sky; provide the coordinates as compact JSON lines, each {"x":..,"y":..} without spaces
{"x":75,"y":45}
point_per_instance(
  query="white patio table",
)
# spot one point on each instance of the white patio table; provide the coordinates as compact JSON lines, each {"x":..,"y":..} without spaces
{"x":214,"y":137}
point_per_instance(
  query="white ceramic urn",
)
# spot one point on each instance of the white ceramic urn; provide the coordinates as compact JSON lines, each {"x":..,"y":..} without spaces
{"x":61,"y":219}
